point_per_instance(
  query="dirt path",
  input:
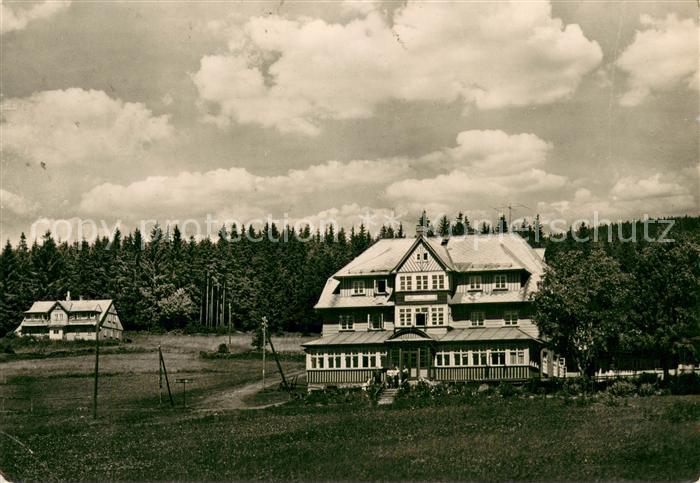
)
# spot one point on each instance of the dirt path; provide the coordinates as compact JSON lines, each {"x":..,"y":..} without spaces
{"x":234,"y":398}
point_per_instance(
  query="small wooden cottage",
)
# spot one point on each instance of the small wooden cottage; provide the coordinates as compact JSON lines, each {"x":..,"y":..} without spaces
{"x":72,"y":320}
{"x":453,"y":309}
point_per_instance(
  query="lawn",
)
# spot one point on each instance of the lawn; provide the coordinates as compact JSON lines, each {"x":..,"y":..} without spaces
{"x":485,"y":438}
{"x":649,"y":438}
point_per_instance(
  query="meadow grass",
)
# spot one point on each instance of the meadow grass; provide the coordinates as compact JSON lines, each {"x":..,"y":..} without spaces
{"x":485,"y":437}
{"x":647,"y":438}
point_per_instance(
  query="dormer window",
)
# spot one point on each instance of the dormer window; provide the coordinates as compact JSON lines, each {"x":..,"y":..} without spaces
{"x":475,"y":282}
{"x":380,"y":286}
{"x":510,"y":317}
{"x":375,"y":321}
{"x":499,"y":282}
{"x":358,"y":287}
{"x":477,"y":319}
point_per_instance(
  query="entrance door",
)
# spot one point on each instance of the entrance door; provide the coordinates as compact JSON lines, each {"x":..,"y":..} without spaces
{"x":410,"y":362}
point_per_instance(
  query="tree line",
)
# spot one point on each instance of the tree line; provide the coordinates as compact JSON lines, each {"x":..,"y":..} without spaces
{"x":614,"y":303}
{"x":607,"y":297}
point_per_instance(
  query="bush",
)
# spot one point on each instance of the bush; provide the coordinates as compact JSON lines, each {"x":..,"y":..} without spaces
{"x":506,"y":390}
{"x":646,"y":389}
{"x":622,"y":388}
{"x":685,"y":383}
{"x":223,"y":349}
{"x":648,"y":378}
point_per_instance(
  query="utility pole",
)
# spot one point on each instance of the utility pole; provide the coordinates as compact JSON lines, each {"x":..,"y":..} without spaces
{"x":97,"y":369}
{"x":229,"y":325}
{"x":264,"y":335}
{"x":206,"y":303}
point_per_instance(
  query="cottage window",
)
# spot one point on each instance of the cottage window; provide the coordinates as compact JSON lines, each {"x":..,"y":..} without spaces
{"x":418,"y":255}
{"x":465,"y":358}
{"x":358,"y":287}
{"x":475,"y":282}
{"x":375,"y":321}
{"x":510,"y":317}
{"x":456,"y":358}
{"x":347,"y":322}
{"x":500,"y":282}
{"x":421,"y":282}
{"x":498,"y":358}
{"x":517,"y":357}
{"x":380,"y":286}
{"x":405,"y":317}
{"x":477,"y":319}
{"x":405,"y":283}
{"x":437,"y":316}
{"x":320,"y":360}
{"x":425,"y":255}
{"x":438,"y":282}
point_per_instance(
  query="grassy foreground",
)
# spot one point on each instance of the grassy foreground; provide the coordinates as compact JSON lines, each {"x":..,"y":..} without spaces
{"x":644,"y":438}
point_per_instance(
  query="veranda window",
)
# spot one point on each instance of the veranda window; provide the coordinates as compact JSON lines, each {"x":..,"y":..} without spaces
{"x":517,"y":357}
{"x":498,"y":358}
{"x":478,"y":358}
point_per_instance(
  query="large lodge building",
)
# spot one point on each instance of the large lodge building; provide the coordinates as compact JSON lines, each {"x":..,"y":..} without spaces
{"x":453,"y":309}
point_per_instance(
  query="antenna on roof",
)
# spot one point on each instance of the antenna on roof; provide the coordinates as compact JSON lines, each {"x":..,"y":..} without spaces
{"x":510,"y":208}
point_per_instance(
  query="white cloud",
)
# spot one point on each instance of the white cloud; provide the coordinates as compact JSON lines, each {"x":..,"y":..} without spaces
{"x":235,"y":191}
{"x":629,"y":197}
{"x":12,"y":18}
{"x":15,"y":204}
{"x":293,"y":74}
{"x":663,"y":56}
{"x":76,"y":126}
{"x":485,"y":166}
{"x":633,"y":188}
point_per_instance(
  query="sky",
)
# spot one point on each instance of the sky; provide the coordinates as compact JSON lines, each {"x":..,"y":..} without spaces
{"x":356,"y":112}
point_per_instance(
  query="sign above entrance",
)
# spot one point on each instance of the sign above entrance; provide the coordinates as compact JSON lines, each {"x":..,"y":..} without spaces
{"x":428,"y":297}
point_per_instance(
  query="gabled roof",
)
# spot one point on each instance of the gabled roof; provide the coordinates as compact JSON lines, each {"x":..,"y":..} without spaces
{"x":460,"y":254}
{"x":381,"y":258}
{"x":85,"y":305}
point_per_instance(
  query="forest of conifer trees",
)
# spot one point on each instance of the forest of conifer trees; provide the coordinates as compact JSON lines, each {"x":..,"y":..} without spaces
{"x":161,"y":281}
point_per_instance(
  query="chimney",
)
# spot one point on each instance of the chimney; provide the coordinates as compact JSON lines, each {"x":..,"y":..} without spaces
{"x":421,"y":231}
{"x":68,"y":296}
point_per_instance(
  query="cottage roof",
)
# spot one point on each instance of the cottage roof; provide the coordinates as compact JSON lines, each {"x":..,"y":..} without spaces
{"x":99,"y":305}
{"x":40,"y":307}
